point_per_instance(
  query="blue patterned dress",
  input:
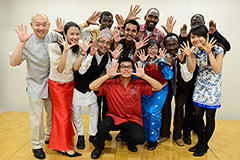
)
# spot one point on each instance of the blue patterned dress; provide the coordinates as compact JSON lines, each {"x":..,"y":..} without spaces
{"x":152,"y":105}
{"x":207,"y":91}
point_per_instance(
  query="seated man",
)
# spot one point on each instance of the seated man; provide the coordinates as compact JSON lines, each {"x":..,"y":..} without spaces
{"x":124,"y":102}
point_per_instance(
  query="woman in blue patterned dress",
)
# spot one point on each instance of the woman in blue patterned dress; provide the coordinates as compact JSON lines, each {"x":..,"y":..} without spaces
{"x":207,"y":92}
{"x":156,"y":66}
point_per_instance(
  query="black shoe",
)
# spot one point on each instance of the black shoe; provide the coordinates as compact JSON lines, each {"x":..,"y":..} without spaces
{"x":194,"y":148}
{"x":46,"y":141}
{"x":109,"y":137}
{"x":60,"y":152}
{"x":201,"y":150}
{"x":132,"y":148}
{"x":152,"y":145}
{"x":75,"y":154}
{"x":39,"y":153}
{"x":93,"y":139}
{"x":187,"y":140}
{"x":96,"y":153}
{"x":81,"y":142}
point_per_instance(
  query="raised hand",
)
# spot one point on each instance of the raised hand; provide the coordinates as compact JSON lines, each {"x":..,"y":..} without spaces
{"x":117,"y":35}
{"x":134,"y":12}
{"x":60,"y":25}
{"x":170,"y":24}
{"x":93,"y":49}
{"x":209,"y":45}
{"x":115,"y":54}
{"x":22,"y":33}
{"x":141,"y":43}
{"x":141,"y":55}
{"x":112,"y":72}
{"x":84,"y":47}
{"x":120,"y":20}
{"x":212,"y":27}
{"x":186,"y":48}
{"x":162,"y":53}
{"x":93,"y":18}
{"x":183,"y":31}
{"x":139,"y":70}
{"x":65,"y":44}
{"x":181,"y":57}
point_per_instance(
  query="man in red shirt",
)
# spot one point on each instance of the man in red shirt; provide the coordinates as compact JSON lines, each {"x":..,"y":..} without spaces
{"x":124,"y":102}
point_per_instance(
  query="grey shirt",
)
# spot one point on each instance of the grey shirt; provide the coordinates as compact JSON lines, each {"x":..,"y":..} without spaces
{"x":36,"y":55}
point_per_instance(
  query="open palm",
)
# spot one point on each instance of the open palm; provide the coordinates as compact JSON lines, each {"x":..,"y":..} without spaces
{"x":22,"y":33}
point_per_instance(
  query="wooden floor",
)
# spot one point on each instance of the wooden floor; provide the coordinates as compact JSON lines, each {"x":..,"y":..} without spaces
{"x":15,"y":144}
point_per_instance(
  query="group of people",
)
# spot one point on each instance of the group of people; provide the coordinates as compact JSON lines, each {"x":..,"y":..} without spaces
{"x":129,"y":74}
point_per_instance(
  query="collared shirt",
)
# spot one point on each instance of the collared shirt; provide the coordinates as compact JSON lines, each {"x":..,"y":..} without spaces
{"x":124,"y":103}
{"x":36,"y":55}
{"x":156,"y":34}
{"x":55,"y":54}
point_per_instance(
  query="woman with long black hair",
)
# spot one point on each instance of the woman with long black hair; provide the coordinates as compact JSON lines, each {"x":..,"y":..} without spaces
{"x":207,"y":92}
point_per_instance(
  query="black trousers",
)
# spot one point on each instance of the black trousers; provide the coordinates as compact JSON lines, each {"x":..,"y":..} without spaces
{"x":102,"y":108}
{"x":188,"y":123}
{"x":135,"y":131}
{"x":180,"y":99}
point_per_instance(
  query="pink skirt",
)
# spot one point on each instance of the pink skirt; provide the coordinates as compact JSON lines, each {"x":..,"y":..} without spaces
{"x":62,"y":133}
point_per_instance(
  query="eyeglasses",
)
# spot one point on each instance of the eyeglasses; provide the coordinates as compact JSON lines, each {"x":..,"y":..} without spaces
{"x":105,"y":42}
{"x":128,"y":67}
{"x":171,"y":45}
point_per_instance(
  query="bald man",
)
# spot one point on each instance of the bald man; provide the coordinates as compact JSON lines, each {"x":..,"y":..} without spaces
{"x":34,"y":49}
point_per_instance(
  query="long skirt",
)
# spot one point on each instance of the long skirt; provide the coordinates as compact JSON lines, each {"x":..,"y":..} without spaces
{"x":151,"y":112}
{"x":62,"y":133}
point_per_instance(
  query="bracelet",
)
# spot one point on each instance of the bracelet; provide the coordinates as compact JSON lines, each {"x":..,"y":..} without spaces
{"x":210,"y":58}
{"x":82,"y":54}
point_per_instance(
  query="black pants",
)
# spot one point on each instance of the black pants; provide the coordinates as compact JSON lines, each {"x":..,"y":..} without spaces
{"x":102,"y":105}
{"x":180,"y":99}
{"x":188,"y":122}
{"x":135,"y":131}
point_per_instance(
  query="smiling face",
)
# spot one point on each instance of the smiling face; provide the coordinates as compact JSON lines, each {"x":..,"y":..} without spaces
{"x":104,"y":44}
{"x":73,"y":35}
{"x":151,"y":19}
{"x":197,"y":40}
{"x":130,"y":32}
{"x":152,"y":50}
{"x":126,"y":69}
{"x":106,"y":22}
{"x":172,"y":45}
{"x":40,"y":25}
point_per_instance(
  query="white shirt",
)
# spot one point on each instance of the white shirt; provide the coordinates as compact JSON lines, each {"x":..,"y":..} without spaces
{"x":55,"y":55}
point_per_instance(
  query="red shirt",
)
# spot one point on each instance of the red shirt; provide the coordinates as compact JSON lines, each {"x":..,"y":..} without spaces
{"x":124,"y":104}
{"x":156,"y":34}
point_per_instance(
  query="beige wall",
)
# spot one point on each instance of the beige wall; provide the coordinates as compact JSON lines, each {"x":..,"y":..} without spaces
{"x":13,"y":12}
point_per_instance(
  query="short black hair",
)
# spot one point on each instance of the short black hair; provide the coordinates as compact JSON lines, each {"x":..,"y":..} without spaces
{"x":197,"y":15}
{"x":105,"y":13}
{"x":200,"y":30}
{"x":132,"y":22}
{"x":126,"y":60}
{"x":153,"y":8}
{"x":171,"y":35}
